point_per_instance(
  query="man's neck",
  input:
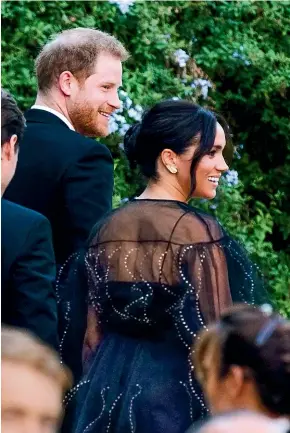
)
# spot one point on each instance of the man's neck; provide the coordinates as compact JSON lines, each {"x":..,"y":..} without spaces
{"x":51,"y":102}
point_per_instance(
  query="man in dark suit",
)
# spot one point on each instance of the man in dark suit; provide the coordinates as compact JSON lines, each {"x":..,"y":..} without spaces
{"x":28,"y":265}
{"x":62,"y":173}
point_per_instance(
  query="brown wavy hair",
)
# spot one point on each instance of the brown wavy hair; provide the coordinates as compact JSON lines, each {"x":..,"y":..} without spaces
{"x":245,"y":336}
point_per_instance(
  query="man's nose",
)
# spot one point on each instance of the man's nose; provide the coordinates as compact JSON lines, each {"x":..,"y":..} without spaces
{"x":115,"y":101}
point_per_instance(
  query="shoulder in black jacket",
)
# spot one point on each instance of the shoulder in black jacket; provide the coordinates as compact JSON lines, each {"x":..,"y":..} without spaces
{"x":28,"y":272}
{"x":65,"y":176}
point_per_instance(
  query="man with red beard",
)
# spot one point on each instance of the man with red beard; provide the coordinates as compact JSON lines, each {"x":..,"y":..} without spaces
{"x":62,"y":173}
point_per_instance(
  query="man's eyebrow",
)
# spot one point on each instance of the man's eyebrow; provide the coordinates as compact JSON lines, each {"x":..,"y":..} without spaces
{"x":108,"y":83}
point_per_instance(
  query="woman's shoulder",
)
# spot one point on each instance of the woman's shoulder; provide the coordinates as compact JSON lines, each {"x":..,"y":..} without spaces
{"x":159,"y":220}
{"x":119,"y":224}
{"x":197,"y":226}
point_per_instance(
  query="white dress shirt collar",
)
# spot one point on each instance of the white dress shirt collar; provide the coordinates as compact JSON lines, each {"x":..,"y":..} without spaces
{"x":56,"y":113}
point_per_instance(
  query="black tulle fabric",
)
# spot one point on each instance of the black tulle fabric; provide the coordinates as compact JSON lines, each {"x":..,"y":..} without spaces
{"x":157,"y":272}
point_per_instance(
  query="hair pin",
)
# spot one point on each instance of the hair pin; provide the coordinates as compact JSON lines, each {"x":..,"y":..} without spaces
{"x":267,"y":330}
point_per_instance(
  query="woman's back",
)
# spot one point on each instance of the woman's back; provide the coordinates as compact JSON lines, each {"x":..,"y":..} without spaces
{"x":152,"y":259}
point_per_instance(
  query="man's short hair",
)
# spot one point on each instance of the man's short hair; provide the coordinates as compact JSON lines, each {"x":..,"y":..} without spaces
{"x":75,"y":50}
{"x":20,"y":347}
{"x":12,"y":120}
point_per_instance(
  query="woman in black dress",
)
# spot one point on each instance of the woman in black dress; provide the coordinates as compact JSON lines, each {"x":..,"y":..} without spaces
{"x":158,"y":271}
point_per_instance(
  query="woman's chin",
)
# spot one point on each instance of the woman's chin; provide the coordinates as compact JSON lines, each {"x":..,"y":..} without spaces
{"x":212,"y":195}
{"x":207,"y":195}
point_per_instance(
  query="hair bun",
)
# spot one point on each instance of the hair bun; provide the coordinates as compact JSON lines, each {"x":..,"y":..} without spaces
{"x":130,"y":144}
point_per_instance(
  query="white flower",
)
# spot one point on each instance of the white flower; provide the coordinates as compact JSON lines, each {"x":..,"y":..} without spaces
{"x":119,"y":118}
{"x":113,"y":125}
{"x":124,"y":128}
{"x":232,"y":177}
{"x":181,"y":57}
{"x":128,"y":102}
{"x":204,"y":92}
{"x":124,"y":5}
{"x":203,"y":84}
{"x":139,"y":108}
{"x":123,"y":93}
{"x":242,"y":57}
{"x":134,"y":114}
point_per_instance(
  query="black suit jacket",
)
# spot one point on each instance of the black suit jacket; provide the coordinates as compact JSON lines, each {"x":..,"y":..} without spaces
{"x":28,"y":272}
{"x":65,"y":176}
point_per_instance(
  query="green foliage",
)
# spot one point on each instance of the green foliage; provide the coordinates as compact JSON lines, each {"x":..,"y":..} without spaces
{"x":251,"y":222}
{"x":242,"y":48}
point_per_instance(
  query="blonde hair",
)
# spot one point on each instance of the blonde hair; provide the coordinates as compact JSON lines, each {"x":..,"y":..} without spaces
{"x":23,"y":348}
{"x":75,"y":50}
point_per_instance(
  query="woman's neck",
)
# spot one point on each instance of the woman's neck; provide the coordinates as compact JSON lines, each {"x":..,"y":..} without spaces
{"x":252,"y":401}
{"x":157,"y":191}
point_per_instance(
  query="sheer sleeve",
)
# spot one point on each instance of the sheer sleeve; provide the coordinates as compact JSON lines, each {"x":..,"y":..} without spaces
{"x":220,"y":273}
{"x":245,"y":278}
{"x":208,"y":278}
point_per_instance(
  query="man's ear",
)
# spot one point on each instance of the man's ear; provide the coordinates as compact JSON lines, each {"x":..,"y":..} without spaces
{"x":13,"y":144}
{"x":67,"y":83}
{"x":8,"y":148}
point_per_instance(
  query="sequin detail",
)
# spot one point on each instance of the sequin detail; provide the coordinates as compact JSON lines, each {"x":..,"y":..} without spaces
{"x":89,"y":426}
{"x":73,"y":391}
{"x":131,"y":407}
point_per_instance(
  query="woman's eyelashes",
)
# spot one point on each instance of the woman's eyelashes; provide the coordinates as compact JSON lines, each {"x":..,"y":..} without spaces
{"x":212,"y":153}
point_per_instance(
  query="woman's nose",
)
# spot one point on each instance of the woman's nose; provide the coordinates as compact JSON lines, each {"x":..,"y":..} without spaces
{"x":222,"y":165}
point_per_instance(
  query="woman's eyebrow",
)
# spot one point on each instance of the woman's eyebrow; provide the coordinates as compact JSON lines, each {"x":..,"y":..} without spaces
{"x":218,"y":147}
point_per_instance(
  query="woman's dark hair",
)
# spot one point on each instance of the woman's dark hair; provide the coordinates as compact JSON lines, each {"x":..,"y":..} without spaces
{"x":171,"y":125}
{"x":12,"y":119}
{"x":258,"y":342}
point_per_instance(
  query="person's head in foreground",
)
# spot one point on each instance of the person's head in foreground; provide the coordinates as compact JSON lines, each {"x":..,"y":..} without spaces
{"x":243,"y":422}
{"x":33,"y":384}
{"x":79,"y":72}
{"x":179,"y":147}
{"x":12,"y":129}
{"x":243,"y":362}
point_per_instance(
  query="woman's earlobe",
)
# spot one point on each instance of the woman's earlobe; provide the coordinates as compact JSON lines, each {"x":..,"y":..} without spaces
{"x":235,"y":381}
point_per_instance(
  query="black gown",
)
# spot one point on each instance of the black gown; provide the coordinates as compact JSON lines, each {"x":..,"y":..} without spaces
{"x":158,"y":271}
